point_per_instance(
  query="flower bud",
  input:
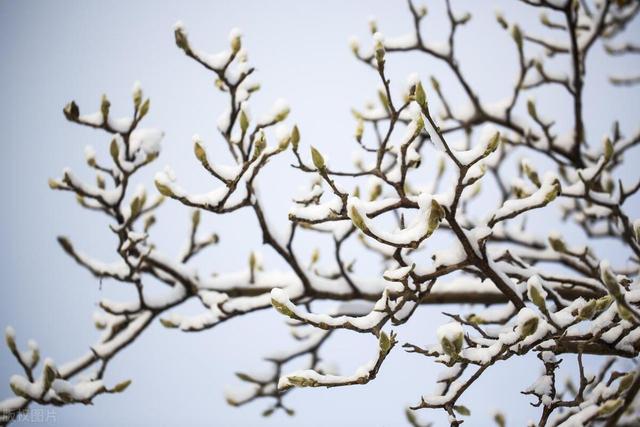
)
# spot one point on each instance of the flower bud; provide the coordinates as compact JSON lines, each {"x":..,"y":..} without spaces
{"x":531,"y":109}
{"x":588,"y":310}
{"x":295,"y":137}
{"x":120,"y":387}
{"x":359,"y":130}
{"x":608,"y":150}
{"x":625,"y":382}
{"x":557,"y":244}
{"x":105,"y":105}
{"x":235,"y":41}
{"x":420,"y":95}
{"x":354,"y":44}
{"x":493,"y":143}
{"x":200,"y":152}
{"x":71,"y":111}
{"x":535,"y":295}
{"x":165,"y":190}
{"x":517,"y":36}
{"x":376,"y":191}
{"x":114,"y":150}
{"x":609,"y":407}
{"x":553,"y":193}
{"x":609,"y":280}
{"x":436,"y":215}
{"x":318,"y":160}
{"x":529,"y":327}
{"x":244,"y":121}
{"x":195,"y":218}
{"x":451,"y":337}
{"x":10,"y":338}
{"x":144,"y":109}
{"x":357,"y":219}
{"x":385,"y":342}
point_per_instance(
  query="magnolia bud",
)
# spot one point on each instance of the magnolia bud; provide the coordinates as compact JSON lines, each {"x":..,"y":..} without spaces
{"x":66,"y":244}
{"x":500,"y":18}
{"x":200,"y":153}
{"x":120,"y":387}
{"x":71,"y":111}
{"x":169,"y":324}
{"x":359,"y":130}
{"x":609,"y":407}
{"x":536,"y":297}
{"x":492,"y":145}
{"x":625,"y":382}
{"x":608,"y":150}
{"x":282,"y":309}
{"x":144,"y":109}
{"x":164,"y":189}
{"x":234,"y":39}
{"x":557,"y":244}
{"x":603,"y":303}
{"x":376,"y":191}
{"x":181,"y":38}
{"x":385,"y":342}
{"x":48,"y":374}
{"x":10,"y":338}
{"x":553,"y":193}
{"x":136,"y":207}
{"x":195,"y":218}
{"x":624,"y":313}
{"x":517,"y":36}
{"x":529,"y":327}
{"x":610,"y":280}
{"x":435,"y":217}
{"x":315,"y":256}
{"x":451,"y":337}
{"x":357,"y":219}
{"x":462,"y":410}
{"x":53,"y":184}
{"x":588,"y":310}
{"x":136,"y":93}
{"x":373,"y":25}
{"x":318,"y":160}
{"x":354,"y":45}
{"x":295,"y":137}
{"x":244,"y":121}
{"x":379,"y":49}
{"x":420,"y":95}
{"x":114,"y":150}
{"x":105,"y":105}
{"x":531,"y":108}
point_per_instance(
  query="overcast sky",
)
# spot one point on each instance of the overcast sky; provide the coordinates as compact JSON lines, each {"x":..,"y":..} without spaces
{"x":53,"y":52}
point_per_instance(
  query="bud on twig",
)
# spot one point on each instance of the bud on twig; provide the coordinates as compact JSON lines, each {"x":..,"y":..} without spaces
{"x":435,"y":217}
{"x":295,"y":137}
{"x":517,"y":36}
{"x":120,"y":387}
{"x":420,"y":96}
{"x":105,"y":105}
{"x":357,"y":219}
{"x":235,"y":41}
{"x":71,"y":111}
{"x":451,"y":337}
{"x":10,"y":338}
{"x":318,"y":160}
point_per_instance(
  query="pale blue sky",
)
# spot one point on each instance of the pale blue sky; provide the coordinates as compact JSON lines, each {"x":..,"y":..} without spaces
{"x":53,"y":52}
